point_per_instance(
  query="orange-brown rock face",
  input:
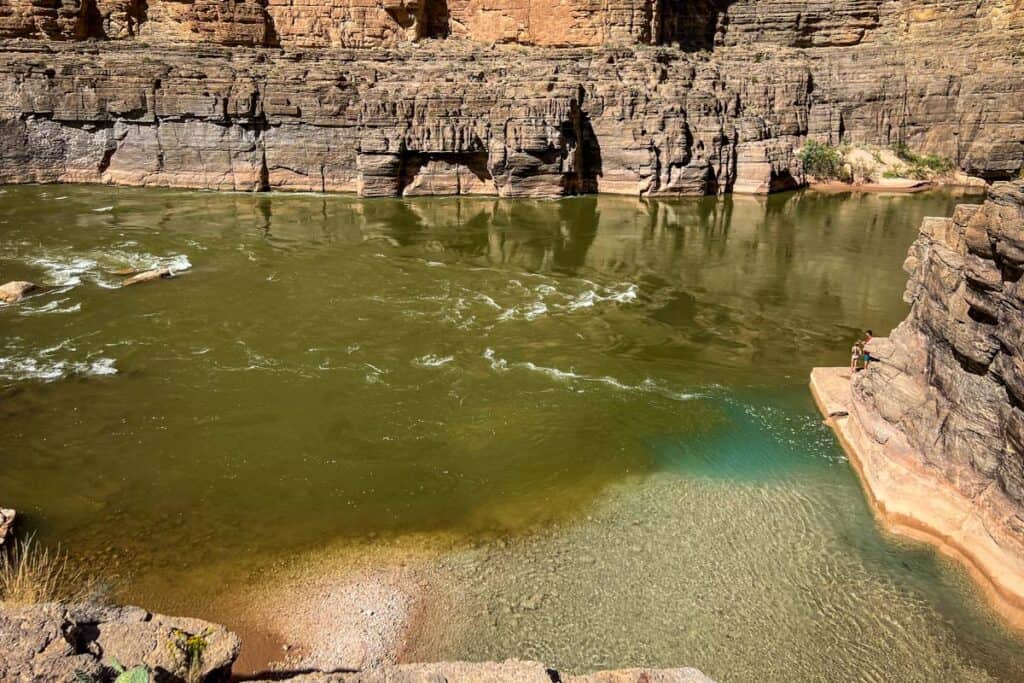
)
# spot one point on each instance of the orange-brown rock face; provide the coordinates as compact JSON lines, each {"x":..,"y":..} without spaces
{"x":44,"y":18}
{"x":336,"y":23}
{"x":554,"y":22}
{"x":505,"y":97}
{"x":223,"y":22}
{"x":343,"y":23}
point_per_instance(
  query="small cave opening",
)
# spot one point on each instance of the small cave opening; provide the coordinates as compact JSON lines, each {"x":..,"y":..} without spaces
{"x":138,"y":14}
{"x":435,"y":21}
{"x":692,"y":26}
{"x":90,"y":22}
{"x":782,"y":181}
{"x":402,"y":16}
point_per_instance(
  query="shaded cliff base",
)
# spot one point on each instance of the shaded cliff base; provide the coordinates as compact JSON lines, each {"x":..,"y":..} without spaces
{"x":913,"y":500}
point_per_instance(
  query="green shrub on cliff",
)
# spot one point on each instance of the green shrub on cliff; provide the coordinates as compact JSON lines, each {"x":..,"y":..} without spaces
{"x":822,"y":161}
{"x":924,"y":166}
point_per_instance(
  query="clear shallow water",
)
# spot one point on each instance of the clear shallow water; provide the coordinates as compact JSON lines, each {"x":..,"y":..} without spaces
{"x":335,"y":368}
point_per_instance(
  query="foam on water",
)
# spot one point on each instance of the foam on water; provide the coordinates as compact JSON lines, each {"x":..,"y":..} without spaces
{"x":433,"y":361}
{"x":64,"y":271}
{"x":49,"y":307}
{"x":545,"y":299}
{"x":647,"y":386}
{"x":68,"y":270}
{"x":20,"y":369}
{"x":528,"y":311}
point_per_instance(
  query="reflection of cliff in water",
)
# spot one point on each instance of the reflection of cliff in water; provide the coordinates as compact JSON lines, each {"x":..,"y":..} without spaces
{"x":748,"y":274}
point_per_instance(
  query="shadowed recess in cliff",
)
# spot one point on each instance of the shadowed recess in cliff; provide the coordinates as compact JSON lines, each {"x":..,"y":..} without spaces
{"x":692,"y":25}
{"x":445,"y":173}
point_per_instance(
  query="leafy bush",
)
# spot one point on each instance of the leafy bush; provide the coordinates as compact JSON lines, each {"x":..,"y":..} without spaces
{"x":137,"y":674}
{"x":921,"y":167}
{"x":901,"y":150}
{"x":822,"y":161}
{"x":30,"y":573}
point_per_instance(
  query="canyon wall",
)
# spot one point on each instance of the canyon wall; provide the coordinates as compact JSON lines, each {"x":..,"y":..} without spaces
{"x":506,"y":97}
{"x":951,"y":380}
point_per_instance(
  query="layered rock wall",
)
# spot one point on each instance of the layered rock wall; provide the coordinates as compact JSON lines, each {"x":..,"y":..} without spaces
{"x":951,"y":380}
{"x":506,"y":97}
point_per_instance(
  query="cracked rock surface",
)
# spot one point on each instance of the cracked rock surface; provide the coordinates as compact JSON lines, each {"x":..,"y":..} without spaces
{"x":51,"y":642}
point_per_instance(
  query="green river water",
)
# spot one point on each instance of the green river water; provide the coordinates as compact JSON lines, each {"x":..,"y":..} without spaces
{"x":604,"y":398}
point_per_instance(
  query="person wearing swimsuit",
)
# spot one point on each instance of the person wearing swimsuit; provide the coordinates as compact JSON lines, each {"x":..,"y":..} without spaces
{"x":865,"y":356}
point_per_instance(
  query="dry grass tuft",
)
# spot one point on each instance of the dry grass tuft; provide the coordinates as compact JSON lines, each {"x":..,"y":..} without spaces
{"x":31,"y":573}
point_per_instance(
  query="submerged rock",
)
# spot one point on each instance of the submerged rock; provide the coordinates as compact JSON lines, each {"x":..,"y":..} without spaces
{"x":149,"y":276}
{"x":51,"y":642}
{"x":13,"y":292}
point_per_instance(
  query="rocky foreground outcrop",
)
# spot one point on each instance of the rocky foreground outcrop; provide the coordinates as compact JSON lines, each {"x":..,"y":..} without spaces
{"x":52,"y":642}
{"x":501,"y":97}
{"x":936,"y":426}
{"x":56,"y":643}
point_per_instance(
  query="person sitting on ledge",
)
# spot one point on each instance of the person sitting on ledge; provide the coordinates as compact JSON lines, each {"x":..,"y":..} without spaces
{"x":865,"y":354}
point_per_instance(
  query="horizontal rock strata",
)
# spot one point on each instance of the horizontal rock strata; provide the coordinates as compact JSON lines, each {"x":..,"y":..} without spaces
{"x":412,"y":97}
{"x":937,"y":424}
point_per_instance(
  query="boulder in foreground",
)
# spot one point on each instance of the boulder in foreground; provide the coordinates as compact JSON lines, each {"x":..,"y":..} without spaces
{"x":51,"y":642}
